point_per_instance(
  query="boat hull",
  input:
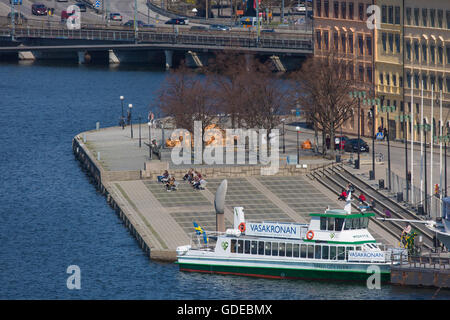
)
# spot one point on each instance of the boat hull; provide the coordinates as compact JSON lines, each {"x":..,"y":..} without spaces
{"x":282,"y":273}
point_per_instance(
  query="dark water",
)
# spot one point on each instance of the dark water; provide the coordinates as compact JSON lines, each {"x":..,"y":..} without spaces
{"x":51,"y":217}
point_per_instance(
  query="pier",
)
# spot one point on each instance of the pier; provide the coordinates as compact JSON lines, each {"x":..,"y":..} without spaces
{"x":160,"y":220}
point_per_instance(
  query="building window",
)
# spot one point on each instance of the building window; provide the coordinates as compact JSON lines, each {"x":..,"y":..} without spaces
{"x":448,"y":54}
{"x":361,"y":11}
{"x":432,"y":17}
{"x":448,"y":84}
{"x":416,"y":80}
{"x":343,"y":43}
{"x":440,"y":83}
{"x":350,"y":43}
{"x":369,"y":74}
{"x":440,"y":16}
{"x":344,"y":10}
{"x":408,"y":50}
{"x":394,"y":80}
{"x":318,"y":40}
{"x":351,"y":10}
{"x":361,"y":73}
{"x":325,"y":39}
{"x":424,"y":53}
{"x":383,"y":40}
{"x":397,"y":42}
{"x":408,"y":16}
{"x":326,"y":8}
{"x":336,"y":9}
{"x":383,"y":14}
{"x":433,"y":82}
{"x":391,"y":42}
{"x":391,"y":14}
{"x":336,"y":41}
{"x":400,"y":82}
{"x":416,"y":51}
{"x":424,"y":16}
{"x":381,"y":78}
{"x":369,"y":45}
{"x":448,"y":19}
{"x":318,"y":8}
{"x":397,"y":15}
{"x":361,"y":45}
{"x":432,"y":54}
{"x":416,"y":16}
{"x":440,"y":54}
{"x":408,"y":80}
{"x":425,"y":81}
{"x":388,"y":83}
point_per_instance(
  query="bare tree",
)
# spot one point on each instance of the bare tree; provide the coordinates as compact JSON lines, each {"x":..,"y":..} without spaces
{"x":324,"y":87}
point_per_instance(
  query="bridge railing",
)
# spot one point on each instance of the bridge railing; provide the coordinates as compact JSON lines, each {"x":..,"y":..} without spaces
{"x":301,"y":42}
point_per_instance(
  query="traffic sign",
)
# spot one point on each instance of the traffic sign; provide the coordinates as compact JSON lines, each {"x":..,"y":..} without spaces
{"x":97,"y":3}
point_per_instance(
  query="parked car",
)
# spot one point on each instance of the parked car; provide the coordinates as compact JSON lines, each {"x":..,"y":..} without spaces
{"x":342,"y":141}
{"x":219,"y":27}
{"x":180,"y":21}
{"x":115,"y":16}
{"x":19,"y":18}
{"x":199,"y":28}
{"x":62,"y":0}
{"x":82,"y":6}
{"x":139,"y":23}
{"x":39,"y":9}
{"x":268,"y":30}
{"x":300,"y":8}
{"x":352,"y":146}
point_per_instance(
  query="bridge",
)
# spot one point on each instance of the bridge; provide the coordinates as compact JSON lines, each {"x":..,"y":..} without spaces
{"x":167,"y":45}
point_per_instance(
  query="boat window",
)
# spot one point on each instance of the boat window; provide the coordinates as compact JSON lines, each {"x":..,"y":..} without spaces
{"x":365,"y":222}
{"x":281,"y":249}
{"x":330,"y":224}
{"x":274,"y":248}
{"x":338,"y":224}
{"x":348,"y":224}
{"x":358,"y":248}
{"x":355,"y":223}
{"x":247,"y":246}
{"x":323,"y":223}
{"x":325,"y":252}
{"x":310,"y":251}
{"x":341,"y":253}
{"x":288,"y":249}
{"x":332,"y":252}
{"x":233,"y":246}
{"x":296,"y":252}
{"x":347,"y":250}
{"x":303,"y":251}
{"x":267,"y":248}
{"x":261,"y":247}
{"x":254,"y":247}
{"x":240,"y":246}
{"x":318,"y":251}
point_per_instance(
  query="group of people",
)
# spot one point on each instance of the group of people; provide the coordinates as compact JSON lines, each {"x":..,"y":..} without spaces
{"x":362,"y":198}
{"x":168,"y":180}
{"x":195,"y":178}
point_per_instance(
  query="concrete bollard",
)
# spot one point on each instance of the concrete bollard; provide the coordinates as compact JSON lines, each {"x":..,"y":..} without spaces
{"x":98,"y":156}
{"x":84,"y":137}
{"x":97,"y":125}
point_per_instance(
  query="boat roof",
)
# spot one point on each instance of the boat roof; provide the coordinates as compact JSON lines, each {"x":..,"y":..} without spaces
{"x":340,"y":213}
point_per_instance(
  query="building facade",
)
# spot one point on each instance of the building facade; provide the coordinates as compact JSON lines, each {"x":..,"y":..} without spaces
{"x":410,"y":47}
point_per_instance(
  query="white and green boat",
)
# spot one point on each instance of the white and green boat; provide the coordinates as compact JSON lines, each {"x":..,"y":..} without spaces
{"x":335,"y":245}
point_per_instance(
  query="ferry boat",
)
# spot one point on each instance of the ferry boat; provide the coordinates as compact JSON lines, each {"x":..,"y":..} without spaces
{"x":335,"y":245}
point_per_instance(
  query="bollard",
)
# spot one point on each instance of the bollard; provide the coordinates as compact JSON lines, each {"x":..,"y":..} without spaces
{"x":84,"y":137}
{"x":97,"y":125}
{"x":98,"y":156}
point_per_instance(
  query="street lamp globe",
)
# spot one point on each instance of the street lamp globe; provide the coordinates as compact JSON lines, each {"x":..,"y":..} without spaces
{"x":121,"y":98}
{"x":130,"y":106}
{"x":297,"y":128}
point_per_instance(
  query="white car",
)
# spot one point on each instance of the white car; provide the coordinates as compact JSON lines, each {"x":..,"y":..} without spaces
{"x":300,"y":8}
{"x":115,"y":17}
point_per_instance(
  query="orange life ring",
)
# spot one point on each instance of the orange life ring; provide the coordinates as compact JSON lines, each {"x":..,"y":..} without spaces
{"x":310,"y":235}
{"x":242,"y":227}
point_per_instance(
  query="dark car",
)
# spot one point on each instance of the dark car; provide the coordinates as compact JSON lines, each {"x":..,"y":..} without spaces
{"x":352,"y":146}
{"x":180,"y":21}
{"x":268,"y":30}
{"x":199,"y":28}
{"x":139,"y":23}
{"x":219,"y":27}
{"x":38,"y":9}
{"x":82,"y":6}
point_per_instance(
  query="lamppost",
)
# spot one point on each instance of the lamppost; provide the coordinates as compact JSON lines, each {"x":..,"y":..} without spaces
{"x":388,"y":109}
{"x":122,"y":119}
{"x":358,"y":95}
{"x":425,"y":127}
{"x":284,"y":133}
{"x":140,"y":131}
{"x":130,"y":107}
{"x":162,"y":135}
{"x":150,"y":140}
{"x":298,"y":147}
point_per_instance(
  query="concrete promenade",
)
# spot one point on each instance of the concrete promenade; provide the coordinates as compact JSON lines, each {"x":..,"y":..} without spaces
{"x":162,"y":220}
